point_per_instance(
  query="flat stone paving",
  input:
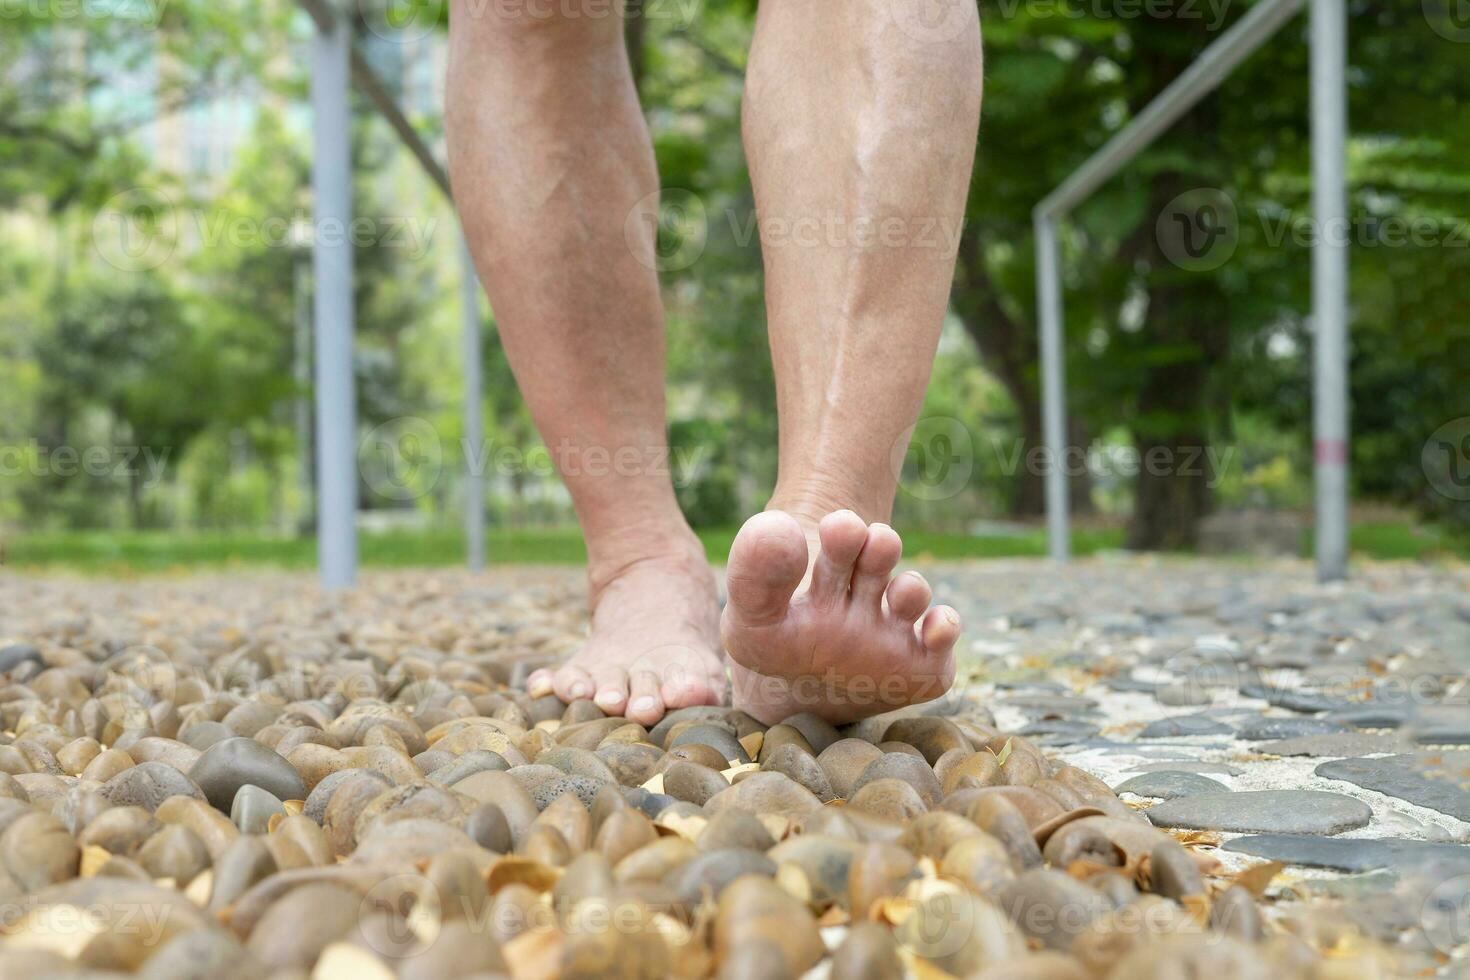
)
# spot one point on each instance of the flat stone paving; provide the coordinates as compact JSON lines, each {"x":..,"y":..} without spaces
{"x":1355,"y":689}
{"x":1257,"y":714}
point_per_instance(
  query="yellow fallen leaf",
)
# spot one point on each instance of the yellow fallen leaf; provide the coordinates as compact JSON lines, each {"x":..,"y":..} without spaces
{"x":736,"y":768}
{"x":688,"y":825}
{"x":200,"y":888}
{"x":794,"y":882}
{"x":1004,"y":753}
{"x":515,"y":870}
{"x":1257,"y":878}
{"x":93,"y":858}
{"x":294,"y":807}
{"x":535,"y":955}
{"x":776,"y":824}
{"x":752,"y":743}
{"x":655,"y":783}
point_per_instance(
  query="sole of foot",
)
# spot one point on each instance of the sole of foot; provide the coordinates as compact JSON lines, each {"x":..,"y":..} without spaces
{"x":835,"y":633}
{"x":653,"y":645}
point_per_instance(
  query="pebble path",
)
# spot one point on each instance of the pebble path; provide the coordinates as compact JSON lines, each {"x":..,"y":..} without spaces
{"x":1148,"y":769}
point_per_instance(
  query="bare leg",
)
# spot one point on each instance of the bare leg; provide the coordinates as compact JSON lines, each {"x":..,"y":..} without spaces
{"x":550,"y":156}
{"x":860,"y":124}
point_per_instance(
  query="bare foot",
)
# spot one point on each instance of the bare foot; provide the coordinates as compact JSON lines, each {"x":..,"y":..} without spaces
{"x":829,"y":632}
{"x":654,"y":639}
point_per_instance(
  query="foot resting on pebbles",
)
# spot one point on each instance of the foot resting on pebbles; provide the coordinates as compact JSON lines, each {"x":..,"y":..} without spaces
{"x":817,"y":622}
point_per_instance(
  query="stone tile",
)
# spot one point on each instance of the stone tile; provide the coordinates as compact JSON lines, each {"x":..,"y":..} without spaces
{"x":1169,"y":785}
{"x":1437,"y":780}
{"x":1274,"y":811}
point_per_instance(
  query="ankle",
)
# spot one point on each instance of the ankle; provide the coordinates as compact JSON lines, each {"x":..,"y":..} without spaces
{"x":614,"y":554}
{"x":814,"y":500}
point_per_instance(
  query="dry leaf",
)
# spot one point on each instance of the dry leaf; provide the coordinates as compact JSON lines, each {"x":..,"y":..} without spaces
{"x":93,"y":858}
{"x":513,"y":870}
{"x":687,"y":826}
{"x":535,"y":955}
{"x":1257,"y":878}
{"x":834,"y":916}
{"x":1197,"y":907}
{"x":776,"y":824}
{"x":655,"y":783}
{"x":1196,"y":838}
{"x":294,"y":807}
{"x":1004,"y":753}
{"x":752,"y":743}
{"x":275,"y":821}
{"x":200,"y":888}
{"x":736,"y":768}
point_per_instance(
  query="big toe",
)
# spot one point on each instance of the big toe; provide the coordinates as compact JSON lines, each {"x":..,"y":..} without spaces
{"x":767,"y":562}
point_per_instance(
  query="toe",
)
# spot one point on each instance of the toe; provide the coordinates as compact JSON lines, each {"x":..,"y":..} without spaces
{"x":908,"y":596}
{"x":767,"y":562}
{"x":612,"y":689}
{"x":645,"y":703}
{"x":875,"y":563}
{"x":940,"y":629}
{"x":538,"y":685}
{"x":842,"y":534}
{"x":571,"y":683}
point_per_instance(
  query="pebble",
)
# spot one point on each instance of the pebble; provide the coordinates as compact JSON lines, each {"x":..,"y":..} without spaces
{"x":234,"y":762}
{"x":290,"y":776}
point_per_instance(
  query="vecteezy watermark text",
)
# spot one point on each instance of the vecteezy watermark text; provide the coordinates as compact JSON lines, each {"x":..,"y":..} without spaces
{"x":33,"y":459}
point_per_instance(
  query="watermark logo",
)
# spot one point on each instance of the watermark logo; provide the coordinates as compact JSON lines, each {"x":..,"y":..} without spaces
{"x":1199,"y":229}
{"x":136,"y":230}
{"x":1445,"y":914}
{"x":936,"y":21}
{"x":935,"y":459}
{"x":1445,"y":459}
{"x":1450,"y":19}
{"x":667,"y":231}
{"x":401,"y":20}
{"x":401,"y":459}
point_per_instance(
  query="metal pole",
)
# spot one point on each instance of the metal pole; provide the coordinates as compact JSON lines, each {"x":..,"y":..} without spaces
{"x":301,"y":374}
{"x":331,"y":187}
{"x":474,"y":428}
{"x":1053,"y":386}
{"x":1329,"y":285}
{"x":1201,"y":78}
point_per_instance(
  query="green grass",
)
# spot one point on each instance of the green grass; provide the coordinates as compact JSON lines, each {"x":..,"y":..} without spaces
{"x":134,"y":552}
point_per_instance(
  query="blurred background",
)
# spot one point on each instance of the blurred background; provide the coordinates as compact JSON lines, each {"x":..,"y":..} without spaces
{"x":155,"y":291}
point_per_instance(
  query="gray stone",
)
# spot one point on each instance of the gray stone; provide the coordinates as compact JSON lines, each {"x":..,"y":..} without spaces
{"x":1215,"y":768}
{"x":1184,"y":725}
{"x":1371,"y":715}
{"x":1336,"y":745}
{"x":1058,"y":731}
{"x":1343,"y":854}
{"x":1440,"y":725}
{"x":1272,"y":811}
{"x":473,"y":761}
{"x":1307,"y":702}
{"x":12,"y":655}
{"x":1431,"y":779}
{"x":1277,"y":728}
{"x":1170,"y":785}
{"x":232,"y":762}
{"x":147,"y":785}
{"x":253,"y":809}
